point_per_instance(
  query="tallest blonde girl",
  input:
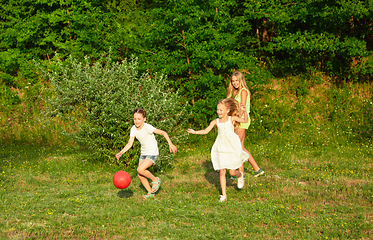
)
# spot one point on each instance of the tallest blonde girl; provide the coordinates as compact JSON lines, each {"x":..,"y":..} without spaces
{"x":238,"y":90}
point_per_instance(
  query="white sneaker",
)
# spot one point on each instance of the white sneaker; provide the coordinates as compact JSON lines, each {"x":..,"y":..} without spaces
{"x":222,"y":198}
{"x":241,"y":181}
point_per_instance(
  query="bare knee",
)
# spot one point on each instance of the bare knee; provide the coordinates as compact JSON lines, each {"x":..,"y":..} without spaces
{"x":232,"y":172}
{"x":223,"y":171}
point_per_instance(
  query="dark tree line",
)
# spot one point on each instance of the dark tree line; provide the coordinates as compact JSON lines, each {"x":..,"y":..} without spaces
{"x":196,"y":43}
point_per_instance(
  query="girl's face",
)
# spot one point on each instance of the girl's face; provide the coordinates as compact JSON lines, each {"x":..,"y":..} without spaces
{"x":235,"y":82}
{"x":222,"y":110}
{"x":138,"y":120}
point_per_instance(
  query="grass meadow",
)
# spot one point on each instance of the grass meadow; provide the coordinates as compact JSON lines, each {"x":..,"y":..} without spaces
{"x":60,"y":192}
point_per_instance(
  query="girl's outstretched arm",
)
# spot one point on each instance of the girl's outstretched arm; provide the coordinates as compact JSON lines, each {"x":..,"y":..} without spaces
{"x":172,"y":147}
{"x":125,"y":149}
{"x":207,"y":130}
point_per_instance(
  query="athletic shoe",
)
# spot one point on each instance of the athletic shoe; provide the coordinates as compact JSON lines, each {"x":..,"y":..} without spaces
{"x":241,"y":181}
{"x":222,"y":198}
{"x":258,"y":173}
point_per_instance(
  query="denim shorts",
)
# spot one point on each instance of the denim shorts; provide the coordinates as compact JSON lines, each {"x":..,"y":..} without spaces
{"x":152,"y":158}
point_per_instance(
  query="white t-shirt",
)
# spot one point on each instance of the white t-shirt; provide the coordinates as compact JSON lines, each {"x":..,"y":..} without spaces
{"x":146,"y":138}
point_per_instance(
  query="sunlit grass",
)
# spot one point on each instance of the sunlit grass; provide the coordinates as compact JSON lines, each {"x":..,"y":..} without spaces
{"x":317,"y":184}
{"x":306,"y":193}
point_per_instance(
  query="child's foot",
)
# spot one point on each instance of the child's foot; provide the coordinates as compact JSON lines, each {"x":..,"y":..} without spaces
{"x":241,"y":181}
{"x":148,"y":195}
{"x":156,"y":185}
{"x":222,"y":198}
{"x":258,"y":173}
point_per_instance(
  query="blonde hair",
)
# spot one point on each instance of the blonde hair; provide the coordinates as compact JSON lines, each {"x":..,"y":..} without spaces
{"x":232,"y":105}
{"x":232,"y":91}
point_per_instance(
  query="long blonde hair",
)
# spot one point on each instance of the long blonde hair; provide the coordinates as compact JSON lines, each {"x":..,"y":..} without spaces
{"x":232,"y":105}
{"x":232,"y":91}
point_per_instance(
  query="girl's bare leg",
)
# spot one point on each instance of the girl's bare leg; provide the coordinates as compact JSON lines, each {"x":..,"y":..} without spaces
{"x":144,"y":174}
{"x":235,"y":173}
{"x":251,"y":160}
{"x":240,"y":179}
{"x":223,"y":182}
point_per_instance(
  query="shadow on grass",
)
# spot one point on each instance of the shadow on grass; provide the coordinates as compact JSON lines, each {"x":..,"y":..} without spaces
{"x":125,"y":193}
{"x":213,"y":176}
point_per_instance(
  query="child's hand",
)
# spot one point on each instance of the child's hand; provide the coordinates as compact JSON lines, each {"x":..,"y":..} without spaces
{"x":191,"y":131}
{"x":243,"y":107}
{"x":118,"y":155}
{"x":173,"y":148}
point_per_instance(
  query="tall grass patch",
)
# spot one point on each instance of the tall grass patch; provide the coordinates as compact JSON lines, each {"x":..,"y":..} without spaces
{"x":312,"y":110}
{"x":25,"y":124}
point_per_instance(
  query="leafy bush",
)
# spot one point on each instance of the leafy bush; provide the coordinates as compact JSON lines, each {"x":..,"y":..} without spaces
{"x":8,"y":98}
{"x":103,"y":96}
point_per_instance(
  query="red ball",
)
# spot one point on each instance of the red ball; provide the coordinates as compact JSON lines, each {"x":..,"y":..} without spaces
{"x":121,"y":179}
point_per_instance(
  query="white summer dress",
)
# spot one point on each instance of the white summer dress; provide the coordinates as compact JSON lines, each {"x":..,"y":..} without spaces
{"x":227,"y":153}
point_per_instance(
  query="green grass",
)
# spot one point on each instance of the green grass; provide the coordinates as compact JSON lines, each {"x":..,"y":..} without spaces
{"x":306,"y":193}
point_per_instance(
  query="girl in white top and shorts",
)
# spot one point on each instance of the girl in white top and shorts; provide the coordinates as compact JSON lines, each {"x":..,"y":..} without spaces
{"x":144,"y":132}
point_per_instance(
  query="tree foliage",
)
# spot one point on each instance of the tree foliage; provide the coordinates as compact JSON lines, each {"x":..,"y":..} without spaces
{"x":37,"y":29}
{"x":332,"y":36}
{"x":198,"y":44}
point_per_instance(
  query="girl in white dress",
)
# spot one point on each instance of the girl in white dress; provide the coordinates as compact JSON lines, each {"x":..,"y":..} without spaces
{"x":227,"y":153}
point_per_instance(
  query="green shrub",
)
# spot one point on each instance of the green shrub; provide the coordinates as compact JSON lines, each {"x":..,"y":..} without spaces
{"x":103,"y":96}
{"x":8,"y":97}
